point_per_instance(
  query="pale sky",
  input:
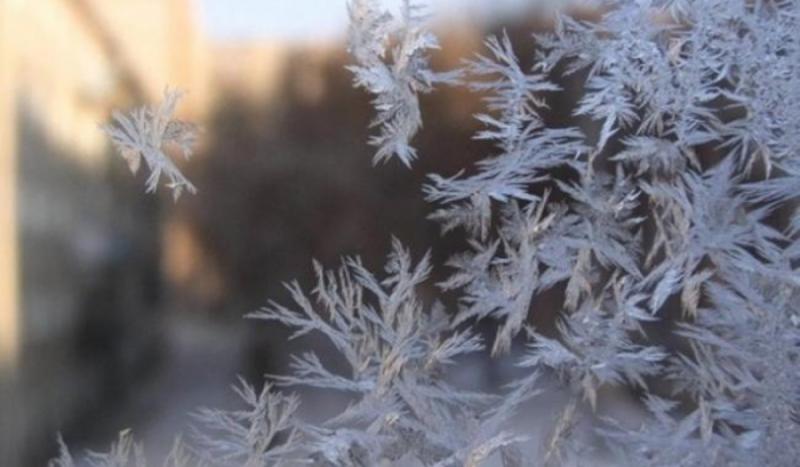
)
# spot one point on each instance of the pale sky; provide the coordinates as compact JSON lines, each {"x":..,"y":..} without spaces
{"x":310,"y":19}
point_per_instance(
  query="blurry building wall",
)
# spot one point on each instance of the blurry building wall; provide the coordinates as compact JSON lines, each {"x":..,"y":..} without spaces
{"x":78,"y":241}
{"x":160,"y":42}
{"x":252,"y":69}
{"x":9,"y":319}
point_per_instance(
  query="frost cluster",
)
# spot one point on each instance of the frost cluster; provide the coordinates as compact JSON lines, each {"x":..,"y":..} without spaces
{"x":671,"y":211}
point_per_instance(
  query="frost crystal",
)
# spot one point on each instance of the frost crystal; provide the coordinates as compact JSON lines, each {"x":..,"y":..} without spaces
{"x":264,"y":434}
{"x":396,"y":350}
{"x":391,"y":57}
{"x":146,"y":133}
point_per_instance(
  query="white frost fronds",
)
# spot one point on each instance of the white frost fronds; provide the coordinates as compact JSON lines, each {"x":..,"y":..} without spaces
{"x":64,"y":458}
{"x":181,"y":456}
{"x":670,"y":439}
{"x":745,"y":353}
{"x":596,"y":348}
{"x":125,"y":452}
{"x":514,"y":94}
{"x":528,"y":149}
{"x":392,"y":64}
{"x":396,"y":350}
{"x":262,"y":434}
{"x":501,"y":278}
{"x":146,"y":133}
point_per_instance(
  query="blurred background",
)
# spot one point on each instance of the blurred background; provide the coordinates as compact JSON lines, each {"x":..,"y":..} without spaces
{"x":124,"y":310}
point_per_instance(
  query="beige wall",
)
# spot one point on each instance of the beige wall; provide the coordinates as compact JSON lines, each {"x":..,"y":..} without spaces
{"x":251,"y":69}
{"x":74,"y":55}
{"x":64,"y":64}
{"x":161,"y":43}
{"x":9,"y":319}
{"x":65,"y":79}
